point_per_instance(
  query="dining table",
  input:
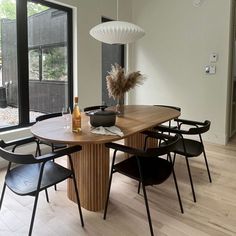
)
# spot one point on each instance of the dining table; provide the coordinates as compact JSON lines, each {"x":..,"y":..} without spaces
{"x":91,"y":164}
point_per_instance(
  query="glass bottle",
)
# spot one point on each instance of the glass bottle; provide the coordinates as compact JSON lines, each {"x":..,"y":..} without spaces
{"x":76,"y":118}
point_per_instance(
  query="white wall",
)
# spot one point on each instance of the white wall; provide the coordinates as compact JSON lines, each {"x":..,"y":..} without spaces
{"x":178,"y":42}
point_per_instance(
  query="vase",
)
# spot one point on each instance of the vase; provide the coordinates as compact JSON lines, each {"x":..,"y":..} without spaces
{"x":120,"y":106}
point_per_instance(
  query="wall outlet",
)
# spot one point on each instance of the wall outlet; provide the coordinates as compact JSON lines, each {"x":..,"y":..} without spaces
{"x":210,"y":69}
{"x":213,"y":57}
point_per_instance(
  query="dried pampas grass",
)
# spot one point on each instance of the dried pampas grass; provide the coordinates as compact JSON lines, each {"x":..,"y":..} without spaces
{"x":119,"y":83}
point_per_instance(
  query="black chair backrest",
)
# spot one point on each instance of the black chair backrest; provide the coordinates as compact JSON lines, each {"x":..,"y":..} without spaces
{"x":167,"y":106}
{"x":48,"y":116}
{"x":17,"y":158}
{"x":200,"y":129}
{"x":94,"y":108}
{"x":164,"y":149}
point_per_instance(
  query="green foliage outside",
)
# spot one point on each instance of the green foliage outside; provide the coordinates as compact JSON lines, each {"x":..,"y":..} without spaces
{"x":54,"y":64}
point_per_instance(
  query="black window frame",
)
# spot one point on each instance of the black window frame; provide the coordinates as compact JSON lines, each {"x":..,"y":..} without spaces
{"x":23,"y":62}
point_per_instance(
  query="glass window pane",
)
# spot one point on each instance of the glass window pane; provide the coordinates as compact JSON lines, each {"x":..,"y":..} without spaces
{"x":34,"y":64}
{"x":54,"y":63}
{"x":47,"y":31}
{"x":9,"y":114}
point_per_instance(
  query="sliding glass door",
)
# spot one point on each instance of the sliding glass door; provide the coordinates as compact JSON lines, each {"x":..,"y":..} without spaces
{"x":37,"y":65}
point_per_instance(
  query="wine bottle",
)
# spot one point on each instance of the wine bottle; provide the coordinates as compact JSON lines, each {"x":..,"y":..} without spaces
{"x":76,"y":118}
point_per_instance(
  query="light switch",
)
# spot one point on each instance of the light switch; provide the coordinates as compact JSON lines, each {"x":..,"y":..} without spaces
{"x":213,"y":57}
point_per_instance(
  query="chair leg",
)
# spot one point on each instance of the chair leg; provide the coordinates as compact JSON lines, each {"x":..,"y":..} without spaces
{"x":208,"y":170}
{"x":78,"y":200}
{"x":33,"y":214}
{"x":38,"y":150}
{"x":190,"y":178}
{"x":2,"y":195}
{"x":147,"y":208}
{"x":4,"y":186}
{"x":109,"y":185}
{"x":139,"y":186}
{"x":46,"y":193}
{"x":177,"y":190}
{"x":176,"y":184}
{"x":76,"y":190}
{"x":53,"y":149}
{"x":108,"y":194}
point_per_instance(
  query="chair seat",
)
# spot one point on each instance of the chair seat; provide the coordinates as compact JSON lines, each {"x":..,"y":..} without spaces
{"x":23,"y":179}
{"x":155,"y":170}
{"x":193,"y":148}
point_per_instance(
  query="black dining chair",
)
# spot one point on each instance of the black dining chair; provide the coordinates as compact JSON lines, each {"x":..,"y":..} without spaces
{"x":32,"y":175}
{"x":54,"y":146}
{"x":187,"y":147}
{"x":145,"y":166}
{"x":13,"y":144}
{"x":172,"y":107}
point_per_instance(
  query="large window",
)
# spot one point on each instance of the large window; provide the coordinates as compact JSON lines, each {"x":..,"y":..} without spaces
{"x":35,"y":60}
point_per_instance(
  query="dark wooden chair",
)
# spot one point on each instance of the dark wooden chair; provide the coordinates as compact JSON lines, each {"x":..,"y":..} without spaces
{"x":32,"y":175}
{"x":187,"y":147}
{"x":146,"y":167}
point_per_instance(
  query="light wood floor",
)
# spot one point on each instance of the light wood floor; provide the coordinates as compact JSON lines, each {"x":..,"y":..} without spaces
{"x":214,"y":213}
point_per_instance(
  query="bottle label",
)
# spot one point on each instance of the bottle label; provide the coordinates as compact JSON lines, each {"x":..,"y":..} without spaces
{"x":76,"y":125}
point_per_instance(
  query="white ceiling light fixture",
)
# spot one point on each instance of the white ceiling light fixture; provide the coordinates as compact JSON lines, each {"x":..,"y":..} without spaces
{"x":117,"y":32}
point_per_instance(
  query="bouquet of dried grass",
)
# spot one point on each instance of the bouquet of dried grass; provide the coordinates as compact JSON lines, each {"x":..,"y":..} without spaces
{"x":118,"y":82}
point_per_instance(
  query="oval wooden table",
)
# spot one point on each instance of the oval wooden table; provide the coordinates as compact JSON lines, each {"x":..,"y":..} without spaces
{"x":92,"y":163}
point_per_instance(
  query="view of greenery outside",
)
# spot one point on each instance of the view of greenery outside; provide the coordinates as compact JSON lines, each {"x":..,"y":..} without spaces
{"x":54,"y":64}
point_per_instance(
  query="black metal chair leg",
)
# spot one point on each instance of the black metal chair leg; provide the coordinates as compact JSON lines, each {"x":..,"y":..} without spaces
{"x":78,"y":200}
{"x":147,"y":208}
{"x":176,"y":186}
{"x":46,"y":193}
{"x":107,"y":199}
{"x":2,"y":195}
{"x":109,"y":185}
{"x":38,"y":150}
{"x":208,"y":170}
{"x":177,"y":190}
{"x":190,"y":178}
{"x":174,"y":159}
{"x":139,"y":186}
{"x":76,"y":190}
{"x":33,"y":214}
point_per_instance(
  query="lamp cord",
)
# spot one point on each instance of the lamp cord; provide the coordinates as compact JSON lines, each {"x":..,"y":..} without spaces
{"x":117,"y":9}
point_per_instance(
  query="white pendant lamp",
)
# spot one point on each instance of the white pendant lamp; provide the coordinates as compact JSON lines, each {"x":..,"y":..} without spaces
{"x":117,"y":32}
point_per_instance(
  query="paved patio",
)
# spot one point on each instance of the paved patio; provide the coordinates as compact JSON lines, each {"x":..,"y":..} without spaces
{"x":9,"y":116}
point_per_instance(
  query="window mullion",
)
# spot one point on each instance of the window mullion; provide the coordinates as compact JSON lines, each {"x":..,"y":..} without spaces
{"x":22,"y":58}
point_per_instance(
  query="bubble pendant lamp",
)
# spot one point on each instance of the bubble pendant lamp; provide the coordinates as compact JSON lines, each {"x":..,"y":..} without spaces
{"x":117,"y":32}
